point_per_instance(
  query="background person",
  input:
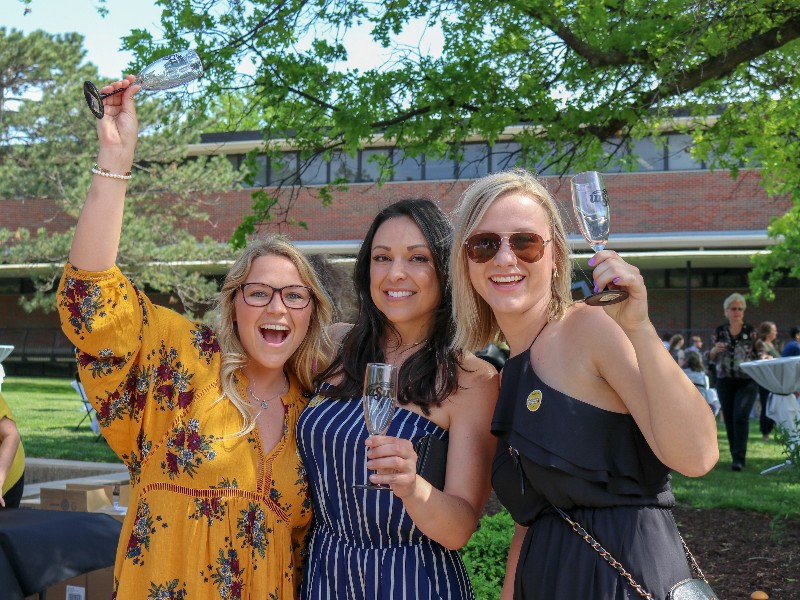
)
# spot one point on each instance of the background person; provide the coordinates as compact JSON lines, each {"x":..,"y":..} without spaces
{"x":765,"y":348}
{"x":591,"y":428}
{"x":380,"y":544}
{"x":204,"y":419}
{"x":792,"y":347}
{"x":676,"y":349}
{"x":734,"y":343}
{"x":12,"y":459}
{"x":697,"y":375}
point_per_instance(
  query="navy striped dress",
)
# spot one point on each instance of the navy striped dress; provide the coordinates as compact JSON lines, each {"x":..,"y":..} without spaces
{"x":364,"y":545}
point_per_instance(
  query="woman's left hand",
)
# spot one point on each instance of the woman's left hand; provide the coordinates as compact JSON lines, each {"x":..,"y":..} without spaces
{"x":392,"y":461}
{"x":611,"y":271}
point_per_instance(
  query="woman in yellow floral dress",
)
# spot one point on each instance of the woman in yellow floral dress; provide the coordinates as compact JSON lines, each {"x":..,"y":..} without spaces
{"x":204,"y":419}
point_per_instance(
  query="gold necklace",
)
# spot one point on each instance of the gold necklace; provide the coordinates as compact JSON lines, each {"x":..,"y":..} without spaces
{"x":409,"y":346}
{"x":264,"y":404}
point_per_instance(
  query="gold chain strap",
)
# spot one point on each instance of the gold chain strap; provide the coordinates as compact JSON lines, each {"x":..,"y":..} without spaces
{"x":605,"y":554}
{"x":697,"y":573}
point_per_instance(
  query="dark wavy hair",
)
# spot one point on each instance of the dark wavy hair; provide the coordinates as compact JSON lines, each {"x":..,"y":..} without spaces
{"x":429,"y":375}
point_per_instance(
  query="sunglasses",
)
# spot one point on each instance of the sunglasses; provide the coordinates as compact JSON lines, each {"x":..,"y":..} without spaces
{"x":528,"y":247}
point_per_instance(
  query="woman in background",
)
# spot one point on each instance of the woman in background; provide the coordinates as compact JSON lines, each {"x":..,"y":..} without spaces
{"x":676,"y":349}
{"x":767,"y":332}
{"x":734,"y":343}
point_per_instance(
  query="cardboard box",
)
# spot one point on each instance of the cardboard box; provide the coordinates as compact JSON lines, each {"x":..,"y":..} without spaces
{"x":100,"y":584}
{"x":97,"y":585}
{"x":73,"y":500}
{"x":123,"y":496}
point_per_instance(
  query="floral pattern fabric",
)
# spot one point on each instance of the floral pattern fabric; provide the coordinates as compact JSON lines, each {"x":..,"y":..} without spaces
{"x":212,"y":515}
{"x":738,"y":349}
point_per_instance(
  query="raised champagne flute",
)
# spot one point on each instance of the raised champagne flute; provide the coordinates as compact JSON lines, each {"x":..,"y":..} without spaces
{"x":165,"y":73}
{"x":379,"y":399}
{"x":590,"y":201}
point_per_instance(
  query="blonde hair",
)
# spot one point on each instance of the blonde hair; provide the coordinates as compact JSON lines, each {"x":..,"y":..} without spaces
{"x":311,"y":356}
{"x":475,"y":322}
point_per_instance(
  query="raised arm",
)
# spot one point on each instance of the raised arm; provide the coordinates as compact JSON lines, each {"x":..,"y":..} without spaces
{"x":667,"y":406}
{"x":97,"y":234}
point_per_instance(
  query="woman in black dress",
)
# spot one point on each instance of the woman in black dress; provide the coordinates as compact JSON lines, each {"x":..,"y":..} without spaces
{"x":593,"y":411}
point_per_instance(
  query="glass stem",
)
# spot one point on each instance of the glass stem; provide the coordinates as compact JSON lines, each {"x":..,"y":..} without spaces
{"x":114,"y":92}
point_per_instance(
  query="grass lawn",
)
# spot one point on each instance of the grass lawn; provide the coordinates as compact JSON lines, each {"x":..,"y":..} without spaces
{"x":47,"y":411}
{"x":775,"y":493}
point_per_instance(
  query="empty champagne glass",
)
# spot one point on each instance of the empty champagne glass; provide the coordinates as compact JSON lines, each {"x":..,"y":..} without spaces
{"x":379,"y":399}
{"x":590,"y":201}
{"x":165,"y":73}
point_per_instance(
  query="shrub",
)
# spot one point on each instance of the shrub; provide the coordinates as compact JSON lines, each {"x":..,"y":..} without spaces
{"x":485,"y":555}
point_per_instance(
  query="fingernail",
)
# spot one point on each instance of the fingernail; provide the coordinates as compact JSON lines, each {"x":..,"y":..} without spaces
{"x":596,"y":289}
{"x":591,"y":262}
{"x":616,"y":279}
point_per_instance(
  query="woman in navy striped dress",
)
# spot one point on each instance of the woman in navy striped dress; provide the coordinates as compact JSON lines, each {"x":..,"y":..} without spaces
{"x":377,"y":544}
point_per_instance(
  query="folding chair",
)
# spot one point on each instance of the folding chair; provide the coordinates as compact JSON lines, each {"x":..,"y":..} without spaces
{"x":87,"y":406}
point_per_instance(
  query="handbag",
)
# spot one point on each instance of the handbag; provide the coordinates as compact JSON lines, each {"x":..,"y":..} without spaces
{"x":432,"y":459}
{"x":695,"y":588}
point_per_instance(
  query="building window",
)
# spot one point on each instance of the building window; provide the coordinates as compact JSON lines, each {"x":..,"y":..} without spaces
{"x":475,"y":162}
{"x":314,"y":171}
{"x":283,"y":170}
{"x":679,"y":153}
{"x":648,"y":154}
{"x":261,"y":171}
{"x":406,"y":168}
{"x":439,"y":168}
{"x":371,"y":159}
{"x":504,"y":156}
{"x":343,"y":167}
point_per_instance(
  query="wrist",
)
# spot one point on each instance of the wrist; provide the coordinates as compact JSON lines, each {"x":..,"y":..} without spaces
{"x":115,"y":162}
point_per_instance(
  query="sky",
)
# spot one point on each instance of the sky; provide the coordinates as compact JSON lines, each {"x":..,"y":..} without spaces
{"x":103,"y":36}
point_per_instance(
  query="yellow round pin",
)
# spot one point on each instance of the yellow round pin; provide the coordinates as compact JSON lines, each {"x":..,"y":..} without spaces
{"x":534,"y":400}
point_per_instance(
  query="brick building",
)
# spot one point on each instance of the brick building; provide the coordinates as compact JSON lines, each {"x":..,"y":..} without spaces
{"x":690,"y":230}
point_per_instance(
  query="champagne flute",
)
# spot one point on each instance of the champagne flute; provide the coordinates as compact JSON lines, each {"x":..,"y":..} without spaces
{"x":590,"y":201}
{"x":379,"y":399}
{"x":165,"y":73}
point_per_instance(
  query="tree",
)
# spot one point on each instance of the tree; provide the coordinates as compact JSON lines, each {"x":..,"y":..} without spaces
{"x":49,"y":145}
{"x":581,"y":76}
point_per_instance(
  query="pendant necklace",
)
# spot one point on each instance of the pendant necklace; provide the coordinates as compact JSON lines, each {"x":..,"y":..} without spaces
{"x":264,"y":403}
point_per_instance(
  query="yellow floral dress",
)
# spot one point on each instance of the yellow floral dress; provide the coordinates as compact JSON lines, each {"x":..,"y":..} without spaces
{"x":211,"y":515}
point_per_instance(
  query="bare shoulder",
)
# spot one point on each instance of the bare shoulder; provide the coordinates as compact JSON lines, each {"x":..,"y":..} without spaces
{"x":476,"y":371}
{"x":582,"y":317}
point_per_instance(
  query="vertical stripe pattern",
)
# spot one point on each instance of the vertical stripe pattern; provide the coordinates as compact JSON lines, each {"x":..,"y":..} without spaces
{"x":364,"y":545}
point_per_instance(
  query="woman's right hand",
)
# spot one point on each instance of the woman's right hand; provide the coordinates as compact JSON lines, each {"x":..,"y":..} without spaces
{"x":118,"y":130}
{"x":97,"y":234}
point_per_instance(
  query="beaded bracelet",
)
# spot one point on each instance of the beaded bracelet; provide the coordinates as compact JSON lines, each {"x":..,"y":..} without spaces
{"x":106,"y":173}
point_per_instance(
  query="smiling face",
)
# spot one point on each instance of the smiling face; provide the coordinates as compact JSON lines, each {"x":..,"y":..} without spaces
{"x":511,"y":286}
{"x":403,"y":282}
{"x":270,"y":334}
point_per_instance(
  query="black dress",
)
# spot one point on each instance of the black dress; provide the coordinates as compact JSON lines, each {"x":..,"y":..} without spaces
{"x":596,"y":465}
